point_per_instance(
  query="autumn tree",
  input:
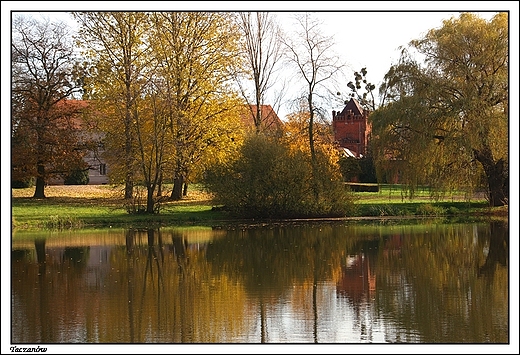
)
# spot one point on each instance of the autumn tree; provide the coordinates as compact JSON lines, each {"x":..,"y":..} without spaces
{"x":296,"y":134}
{"x":262,"y":52}
{"x":446,"y":123}
{"x":118,"y":52}
{"x":45,"y":139}
{"x":196,"y":51}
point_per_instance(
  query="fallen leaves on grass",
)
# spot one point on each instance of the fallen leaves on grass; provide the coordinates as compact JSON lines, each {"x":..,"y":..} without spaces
{"x":101,"y":194}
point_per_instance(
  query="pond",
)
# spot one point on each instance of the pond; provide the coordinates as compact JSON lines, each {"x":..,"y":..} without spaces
{"x":419,"y":282}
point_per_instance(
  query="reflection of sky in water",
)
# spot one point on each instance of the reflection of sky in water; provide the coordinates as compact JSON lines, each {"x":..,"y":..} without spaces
{"x":338,"y":320}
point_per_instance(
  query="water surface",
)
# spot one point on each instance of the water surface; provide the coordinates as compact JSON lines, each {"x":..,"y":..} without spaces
{"x":344,"y":282}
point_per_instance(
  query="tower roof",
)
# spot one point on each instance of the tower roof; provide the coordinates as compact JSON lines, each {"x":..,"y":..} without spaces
{"x":354,"y":106}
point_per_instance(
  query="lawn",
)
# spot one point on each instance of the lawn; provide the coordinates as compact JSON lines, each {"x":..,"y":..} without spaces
{"x":394,"y":200}
{"x":72,"y":206}
{"x":81,"y":205}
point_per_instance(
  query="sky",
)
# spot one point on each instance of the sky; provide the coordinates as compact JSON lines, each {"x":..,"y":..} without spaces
{"x":376,"y":28}
{"x":371,"y":39}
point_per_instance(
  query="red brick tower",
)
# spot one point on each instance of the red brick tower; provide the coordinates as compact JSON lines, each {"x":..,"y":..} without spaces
{"x":351,"y":128}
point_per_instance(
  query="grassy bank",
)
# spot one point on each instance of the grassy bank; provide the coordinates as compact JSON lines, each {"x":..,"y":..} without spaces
{"x":394,"y":200}
{"x":103,"y":206}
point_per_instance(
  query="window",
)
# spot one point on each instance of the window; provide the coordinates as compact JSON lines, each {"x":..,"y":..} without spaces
{"x":102,"y":169}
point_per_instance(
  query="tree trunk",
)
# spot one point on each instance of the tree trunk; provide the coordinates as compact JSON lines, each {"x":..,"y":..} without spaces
{"x":159,"y":185}
{"x":258,"y":118}
{"x":149,"y":200}
{"x":129,"y":188}
{"x":39,"y":191}
{"x":311,"y":147}
{"x":496,"y":177}
{"x":129,"y":181}
{"x":311,"y":129}
{"x":177,"y":188}
{"x":497,"y":197}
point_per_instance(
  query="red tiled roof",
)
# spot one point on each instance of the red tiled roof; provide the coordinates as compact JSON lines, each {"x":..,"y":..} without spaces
{"x":270,"y":119}
{"x":70,"y":110}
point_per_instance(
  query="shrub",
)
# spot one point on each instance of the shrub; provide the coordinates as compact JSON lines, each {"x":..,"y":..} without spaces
{"x":22,"y":184}
{"x":453,"y":210}
{"x":77,"y":177}
{"x":350,"y":168}
{"x":268,"y":180}
{"x":430,"y":210}
{"x":358,"y":169}
{"x":384,"y":210}
{"x":363,"y":187}
{"x":368,"y":170}
{"x":63,"y":222}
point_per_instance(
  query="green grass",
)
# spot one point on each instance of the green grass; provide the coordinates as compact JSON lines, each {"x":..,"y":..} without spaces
{"x":398,"y":193}
{"x":86,"y":206}
{"x":421,"y":208}
{"x":394,"y":200}
{"x":51,"y":213}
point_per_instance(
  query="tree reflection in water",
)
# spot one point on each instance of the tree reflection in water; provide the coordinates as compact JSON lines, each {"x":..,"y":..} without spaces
{"x":308,"y":283}
{"x":498,"y":250}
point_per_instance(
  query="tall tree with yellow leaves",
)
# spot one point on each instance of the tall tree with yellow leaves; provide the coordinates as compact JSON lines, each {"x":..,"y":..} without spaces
{"x":117,"y":48}
{"x":197,"y":54}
